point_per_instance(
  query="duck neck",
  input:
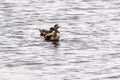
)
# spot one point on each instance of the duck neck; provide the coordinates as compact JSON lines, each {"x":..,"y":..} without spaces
{"x":55,"y":33}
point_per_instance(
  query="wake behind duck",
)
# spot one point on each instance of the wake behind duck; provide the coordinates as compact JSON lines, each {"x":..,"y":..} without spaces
{"x":52,"y":34}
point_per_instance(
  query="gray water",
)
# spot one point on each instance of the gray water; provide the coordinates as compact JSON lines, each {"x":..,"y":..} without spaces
{"x":89,"y":48}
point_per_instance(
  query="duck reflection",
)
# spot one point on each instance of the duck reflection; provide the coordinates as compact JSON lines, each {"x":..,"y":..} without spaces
{"x":56,"y":43}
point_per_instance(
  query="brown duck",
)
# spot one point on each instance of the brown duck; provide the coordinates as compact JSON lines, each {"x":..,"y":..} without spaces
{"x":53,"y":34}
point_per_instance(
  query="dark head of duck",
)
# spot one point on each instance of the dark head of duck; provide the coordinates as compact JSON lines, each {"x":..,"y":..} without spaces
{"x":56,"y":28}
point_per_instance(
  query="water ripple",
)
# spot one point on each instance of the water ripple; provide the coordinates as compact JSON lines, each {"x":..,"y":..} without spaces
{"x":88,"y":46}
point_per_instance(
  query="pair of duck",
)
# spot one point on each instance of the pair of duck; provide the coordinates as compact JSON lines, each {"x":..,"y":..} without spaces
{"x":51,"y":35}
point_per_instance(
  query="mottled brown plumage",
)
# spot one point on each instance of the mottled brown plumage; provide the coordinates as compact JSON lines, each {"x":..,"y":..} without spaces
{"x":52,"y":34}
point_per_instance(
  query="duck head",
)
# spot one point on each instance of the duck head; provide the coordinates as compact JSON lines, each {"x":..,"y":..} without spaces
{"x":56,"y":26}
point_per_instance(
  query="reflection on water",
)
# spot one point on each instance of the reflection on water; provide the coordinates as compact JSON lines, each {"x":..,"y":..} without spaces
{"x":88,"y":49}
{"x":55,"y":43}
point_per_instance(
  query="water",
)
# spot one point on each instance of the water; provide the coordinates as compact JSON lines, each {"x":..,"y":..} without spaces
{"x":89,"y":48}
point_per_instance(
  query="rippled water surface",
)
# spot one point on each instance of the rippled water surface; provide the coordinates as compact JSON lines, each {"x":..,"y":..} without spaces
{"x":89,"y":48}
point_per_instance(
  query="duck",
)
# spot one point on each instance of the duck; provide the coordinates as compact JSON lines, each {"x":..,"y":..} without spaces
{"x":52,"y":34}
